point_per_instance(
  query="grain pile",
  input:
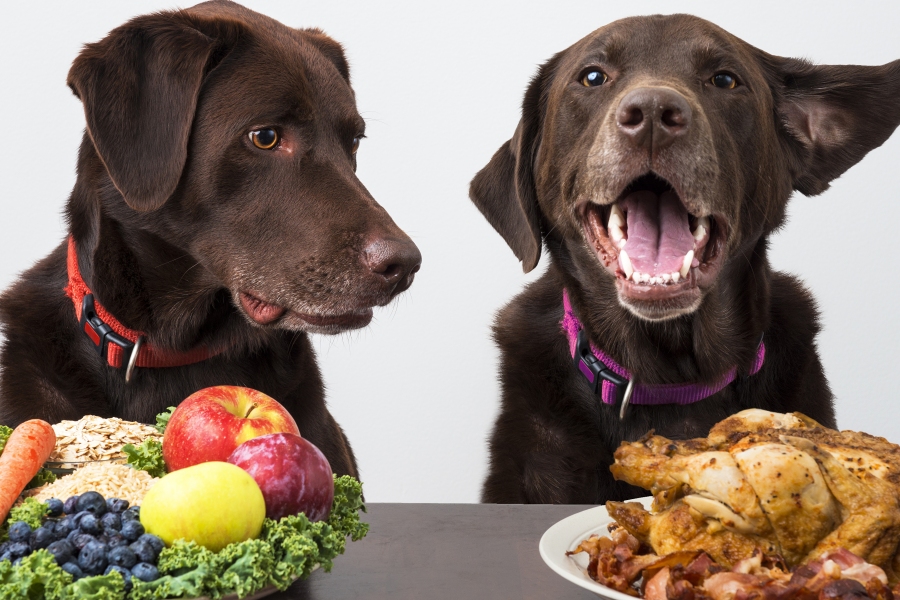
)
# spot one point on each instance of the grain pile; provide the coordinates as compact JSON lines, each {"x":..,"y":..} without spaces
{"x":95,"y":438}
{"x":112,"y":480}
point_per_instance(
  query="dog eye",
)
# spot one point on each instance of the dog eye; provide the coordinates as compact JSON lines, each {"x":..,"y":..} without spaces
{"x":355,"y":145}
{"x":264,"y":139}
{"x":593,"y":78}
{"x":726,"y":81}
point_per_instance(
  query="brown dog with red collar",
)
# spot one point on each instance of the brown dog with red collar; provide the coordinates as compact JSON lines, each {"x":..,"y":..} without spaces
{"x":216,"y":220}
{"x":654,"y":158}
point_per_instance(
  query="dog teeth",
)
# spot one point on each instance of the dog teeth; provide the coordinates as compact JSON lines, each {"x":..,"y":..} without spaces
{"x":616,"y":226}
{"x":666,"y":277}
{"x":616,"y":216}
{"x":686,"y":265}
{"x":676,"y":277}
{"x":702,"y":228}
{"x":625,"y":264}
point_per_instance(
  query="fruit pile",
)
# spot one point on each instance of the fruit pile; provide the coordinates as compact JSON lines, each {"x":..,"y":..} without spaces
{"x":89,"y":535}
{"x":243,"y":503}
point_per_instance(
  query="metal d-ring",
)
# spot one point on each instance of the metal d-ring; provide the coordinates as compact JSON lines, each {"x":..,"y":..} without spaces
{"x":626,"y":399}
{"x":132,"y":360}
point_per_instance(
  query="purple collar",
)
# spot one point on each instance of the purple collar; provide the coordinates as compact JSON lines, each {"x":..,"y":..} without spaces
{"x":612,"y":381}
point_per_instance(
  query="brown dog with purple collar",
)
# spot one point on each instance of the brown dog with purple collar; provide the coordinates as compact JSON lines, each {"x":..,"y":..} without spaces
{"x":654,"y":158}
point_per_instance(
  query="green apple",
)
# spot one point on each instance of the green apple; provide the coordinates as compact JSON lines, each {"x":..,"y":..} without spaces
{"x":213,"y":504}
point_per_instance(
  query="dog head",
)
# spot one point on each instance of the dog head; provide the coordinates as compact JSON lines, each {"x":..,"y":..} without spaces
{"x":234,"y":138}
{"x":658,"y":151}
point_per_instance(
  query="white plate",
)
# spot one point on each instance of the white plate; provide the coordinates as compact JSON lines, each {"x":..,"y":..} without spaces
{"x":567,"y":534}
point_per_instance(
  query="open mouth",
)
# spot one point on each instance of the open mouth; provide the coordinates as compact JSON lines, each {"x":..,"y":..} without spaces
{"x":265,"y":313}
{"x":650,"y":240}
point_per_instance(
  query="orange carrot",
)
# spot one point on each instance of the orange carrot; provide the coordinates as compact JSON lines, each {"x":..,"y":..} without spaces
{"x":27,"y":449}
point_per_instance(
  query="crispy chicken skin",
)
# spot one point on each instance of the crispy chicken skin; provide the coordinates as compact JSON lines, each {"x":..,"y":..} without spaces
{"x":779,"y":482}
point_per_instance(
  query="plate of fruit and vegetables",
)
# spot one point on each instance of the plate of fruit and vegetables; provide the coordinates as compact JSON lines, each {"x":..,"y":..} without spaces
{"x":224,"y":524}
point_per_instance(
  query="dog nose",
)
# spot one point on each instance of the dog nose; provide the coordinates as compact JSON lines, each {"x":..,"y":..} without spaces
{"x":653,"y":117}
{"x":393,"y":260}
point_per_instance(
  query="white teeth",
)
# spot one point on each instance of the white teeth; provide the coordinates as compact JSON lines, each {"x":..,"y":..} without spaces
{"x":666,"y":277}
{"x":616,"y":225}
{"x":686,"y":265}
{"x":616,"y":216}
{"x":645,"y":277}
{"x":676,"y":277}
{"x":625,"y":264}
{"x":616,"y":235}
{"x":702,"y":227}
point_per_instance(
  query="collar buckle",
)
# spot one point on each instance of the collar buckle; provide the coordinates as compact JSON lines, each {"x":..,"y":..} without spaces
{"x":594,"y":369}
{"x":100,"y":333}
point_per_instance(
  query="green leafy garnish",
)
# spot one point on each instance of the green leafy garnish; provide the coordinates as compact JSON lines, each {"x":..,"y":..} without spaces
{"x":162,"y":419}
{"x":31,"y":511}
{"x":146,"y":457}
{"x":5,"y":432}
{"x":43,"y":477}
{"x":98,"y":587}
{"x":37,"y":576}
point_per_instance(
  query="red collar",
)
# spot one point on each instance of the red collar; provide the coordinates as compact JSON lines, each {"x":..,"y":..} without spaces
{"x":112,"y":339}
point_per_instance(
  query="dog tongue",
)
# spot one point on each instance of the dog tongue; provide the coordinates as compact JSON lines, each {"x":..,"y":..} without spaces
{"x":659,"y":234}
{"x":259,"y":310}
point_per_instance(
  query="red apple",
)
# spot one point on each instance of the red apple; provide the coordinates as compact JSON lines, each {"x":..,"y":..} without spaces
{"x":209,"y":424}
{"x":292,"y":473}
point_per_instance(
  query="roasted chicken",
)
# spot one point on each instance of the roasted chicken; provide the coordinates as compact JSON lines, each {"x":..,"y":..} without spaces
{"x":778,"y":482}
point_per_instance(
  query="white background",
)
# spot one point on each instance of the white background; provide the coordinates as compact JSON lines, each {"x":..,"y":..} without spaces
{"x":440,"y":85}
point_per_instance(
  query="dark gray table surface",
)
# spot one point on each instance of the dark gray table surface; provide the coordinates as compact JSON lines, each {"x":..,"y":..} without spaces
{"x":452,"y":551}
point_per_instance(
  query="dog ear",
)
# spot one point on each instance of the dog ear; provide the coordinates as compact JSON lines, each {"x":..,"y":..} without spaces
{"x":504,"y":189}
{"x":331,"y":49}
{"x":833,"y":115}
{"x":139,"y":86}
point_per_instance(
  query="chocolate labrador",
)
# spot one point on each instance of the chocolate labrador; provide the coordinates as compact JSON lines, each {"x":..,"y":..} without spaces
{"x":216,"y":221}
{"x":653,"y":159}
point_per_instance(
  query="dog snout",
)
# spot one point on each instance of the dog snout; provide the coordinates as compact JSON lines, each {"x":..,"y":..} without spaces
{"x":653,"y":117}
{"x":393,"y":261}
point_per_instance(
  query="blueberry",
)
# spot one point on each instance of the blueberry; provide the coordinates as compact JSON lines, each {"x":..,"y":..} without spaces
{"x":116,"y":505}
{"x":145,"y":572}
{"x":55,"y":505}
{"x":81,"y":540}
{"x":20,"y":531}
{"x":19,"y":549}
{"x":125,"y":573}
{"x":62,"y":528}
{"x":124,"y":556}
{"x":41,"y":537}
{"x":111,"y":521}
{"x":132,"y":530}
{"x":62,"y":551}
{"x":132,"y":514}
{"x":144,"y":551}
{"x":90,"y":524}
{"x":77,"y":517}
{"x":6,"y":556}
{"x":73,"y":569}
{"x":69,"y":505}
{"x":154,"y":540}
{"x":92,"y":558}
{"x":116,"y":540}
{"x":91,"y":502}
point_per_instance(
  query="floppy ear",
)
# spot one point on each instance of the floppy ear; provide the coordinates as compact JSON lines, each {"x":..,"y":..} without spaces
{"x":331,"y":49}
{"x":139,"y":86}
{"x":833,"y":115}
{"x":504,"y":189}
